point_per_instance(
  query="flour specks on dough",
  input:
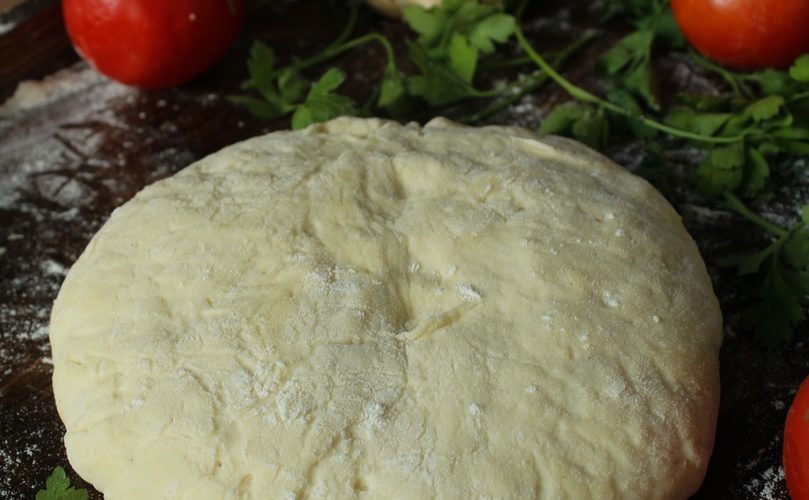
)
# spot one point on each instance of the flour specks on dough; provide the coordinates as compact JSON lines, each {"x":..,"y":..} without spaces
{"x":468,"y":292}
{"x":609,"y":299}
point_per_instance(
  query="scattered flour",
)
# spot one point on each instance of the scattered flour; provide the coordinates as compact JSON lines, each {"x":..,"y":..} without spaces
{"x":766,"y":485}
{"x":31,"y":94}
{"x":468,"y":292}
{"x":53,"y":135}
{"x":609,"y":299}
{"x":50,"y":266}
{"x":6,"y":27}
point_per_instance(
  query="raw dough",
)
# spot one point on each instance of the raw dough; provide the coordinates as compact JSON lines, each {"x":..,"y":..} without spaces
{"x":368,"y":309}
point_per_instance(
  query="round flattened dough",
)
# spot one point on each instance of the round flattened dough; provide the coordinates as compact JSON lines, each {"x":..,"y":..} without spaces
{"x":364,"y":308}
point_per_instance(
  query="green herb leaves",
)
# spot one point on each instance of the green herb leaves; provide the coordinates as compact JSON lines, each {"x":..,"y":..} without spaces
{"x":282,"y":91}
{"x":451,"y":40}
{"x":322,"y":103}
{"x":629,"y":61}
{"x":780,"y":278}
{"x":765,"y":129}
{"x":800,"y":70}
{"x":459,"y":31}
{"x":57,"y":487}
{"x":583,"y":122}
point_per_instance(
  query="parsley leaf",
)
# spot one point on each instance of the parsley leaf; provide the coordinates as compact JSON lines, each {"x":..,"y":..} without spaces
{"x":757,"y":172}
{"x":451,"y":39}
{"x":322,"y":103}
{"x":778,"y":310}
{"x":282,"y":90}
{"x":436,"y":82}
{"x":463,"y":57}
{"x":279,"y":93}
{"x":780,"y":273}
{"x":766,"y":129}
{"x":495,"y":28}
{"x":721,"y":170}
{"x":800,"y":69}
{"x":392,"y":90}
{"x":583,"y":122}
{"x":629,"y":61}
{"x":428,"y":23}
{"x":700,"y":123}
{"x":764,"y":108}
{"x":57,"y":487}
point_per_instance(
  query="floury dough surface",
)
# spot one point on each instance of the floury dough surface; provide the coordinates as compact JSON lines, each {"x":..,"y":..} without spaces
{"x":384,"y":311}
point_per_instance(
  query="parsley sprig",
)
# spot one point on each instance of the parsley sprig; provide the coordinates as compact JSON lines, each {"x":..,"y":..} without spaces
{"x":450,"y":44}
{"x":629,"y":62}
{"x":780,"y":277}
{"x":282,"y":91}
{"x":586,"y":97}
{"x":57,"y":487}
{"x":771,"y":126}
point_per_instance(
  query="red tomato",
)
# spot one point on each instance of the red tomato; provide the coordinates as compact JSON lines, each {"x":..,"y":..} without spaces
{"x":746,"y":34}
{"x":796,"y":444}
{"x":152,"y":43}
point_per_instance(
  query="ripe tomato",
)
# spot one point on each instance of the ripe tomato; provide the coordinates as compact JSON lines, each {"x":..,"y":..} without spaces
{"x":152,"y":43}
{"x":796,"y":444}
{"x":746,"y":34}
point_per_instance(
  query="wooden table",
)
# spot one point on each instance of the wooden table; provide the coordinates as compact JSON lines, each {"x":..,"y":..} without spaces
{"x":90,"y":144}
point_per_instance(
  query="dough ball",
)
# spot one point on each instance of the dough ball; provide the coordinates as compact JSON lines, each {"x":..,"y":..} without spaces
{"x":365,"y":309}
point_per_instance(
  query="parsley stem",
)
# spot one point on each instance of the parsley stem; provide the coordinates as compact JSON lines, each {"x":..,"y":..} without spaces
{"x":799,"y":97}
{"x":349,"y":26}
{"x":535,"y":81}
{"x":576,"y":92}
{"x":520,"y":12}
{"x":335,"y":50}
{"x":582,"y":95}
{"x":739,"y":88}
{"x":365,"y":110}
{"x":507,"y":63}
{"x":739,"y":207}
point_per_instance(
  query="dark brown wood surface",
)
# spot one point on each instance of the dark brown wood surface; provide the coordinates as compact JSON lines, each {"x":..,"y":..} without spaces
{"x":91,"y":144}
